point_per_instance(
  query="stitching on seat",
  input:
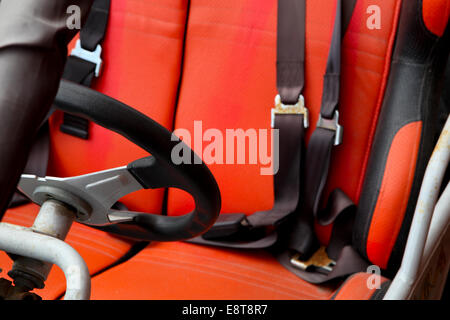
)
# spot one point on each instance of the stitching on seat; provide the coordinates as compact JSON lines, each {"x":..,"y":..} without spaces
{"x":149,"y":256}
{"x":79,"y":239}
{"x":149,"y":18}
{"x":229,"y":25}
{"x":98,"y":250}
{"x":157,"y":4}
{"x":197,"y":268}
{"x":217,"y":260}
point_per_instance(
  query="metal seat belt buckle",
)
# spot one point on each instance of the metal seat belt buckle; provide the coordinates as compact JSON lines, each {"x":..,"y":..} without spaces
{"x":90,"y":56}
{"x":319,"y":260}
{"x":298,"y":108}
{"x":226,"y":225}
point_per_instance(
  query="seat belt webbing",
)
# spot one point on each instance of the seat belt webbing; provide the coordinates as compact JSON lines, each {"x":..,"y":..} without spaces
{"x":340,"y":209}
{"x":291,"y":125}
{"x":290,"y":118}
{"x":291,"y":28}
{"x":290,"y":81}
{"x":318,"y":154}
{"x":84,"y":63}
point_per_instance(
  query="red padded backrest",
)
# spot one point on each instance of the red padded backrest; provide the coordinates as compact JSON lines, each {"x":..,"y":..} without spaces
{"x":406,"y":133}
{"x":229,"y":82}
{"x":142,"y":57}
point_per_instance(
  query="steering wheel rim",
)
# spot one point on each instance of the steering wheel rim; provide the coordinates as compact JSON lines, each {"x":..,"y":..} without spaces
{"x":156,"y":171}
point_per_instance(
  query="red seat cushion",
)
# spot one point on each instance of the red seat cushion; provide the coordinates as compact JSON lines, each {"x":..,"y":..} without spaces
{"x":186,"y":271}
{"x":182,"y":271}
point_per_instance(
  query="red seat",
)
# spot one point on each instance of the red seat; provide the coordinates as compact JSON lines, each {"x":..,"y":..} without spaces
{"x":184,"y":271}
{"x":158,"y":28}
{"x":228,"y":81}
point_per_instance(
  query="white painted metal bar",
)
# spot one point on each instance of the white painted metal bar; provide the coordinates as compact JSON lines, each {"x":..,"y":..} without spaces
{"x":437,"y":234}
{"x":54,"y":219}
{"x":439,"y":224}
{"x":25,"y":242}
{"x":414,"y":252}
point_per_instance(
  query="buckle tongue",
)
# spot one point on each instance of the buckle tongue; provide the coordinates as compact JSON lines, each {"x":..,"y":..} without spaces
{"x":319,"y":260}
{"x":90,"y":56}
{"x":333,"y":125}
{"x":298,"y":108}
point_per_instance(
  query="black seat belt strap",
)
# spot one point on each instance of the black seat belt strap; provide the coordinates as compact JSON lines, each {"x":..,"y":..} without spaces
{"x":291,"y":36}
{"x":85,"y":62}
{"x":339,"y":258}
{"x":290,"y":118}
{"x":327,"y":134}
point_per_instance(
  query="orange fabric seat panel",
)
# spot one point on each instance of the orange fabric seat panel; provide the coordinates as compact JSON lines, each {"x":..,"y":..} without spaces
{"x":98,"y":249}
{"x":185,"y":271}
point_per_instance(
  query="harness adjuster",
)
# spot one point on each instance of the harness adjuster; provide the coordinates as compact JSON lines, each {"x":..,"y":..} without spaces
{"x":333,"y":125}
{"x":319,"y":260}
{"x":298,"y":108}
{"x":90,"y":56}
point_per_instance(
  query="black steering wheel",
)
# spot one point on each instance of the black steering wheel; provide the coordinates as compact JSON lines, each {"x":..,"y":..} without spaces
{"x":156,"y":171}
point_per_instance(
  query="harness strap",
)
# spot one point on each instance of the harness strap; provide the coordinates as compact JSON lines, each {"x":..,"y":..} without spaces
{"x":290,"y":117}
{"x":327,"y":134}
{"x":238,"y":231}
{"x":339,"y":259}
{"x":290,"y":82}
{"x":84,"y":63}
{"x":291,"y":28}
{"x":304,"y":253}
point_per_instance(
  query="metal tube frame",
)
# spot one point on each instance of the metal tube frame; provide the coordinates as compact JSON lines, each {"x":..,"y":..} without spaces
{"x":25,"y":242}
{"x":41,"y":246}
{"x":430,"y":222}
